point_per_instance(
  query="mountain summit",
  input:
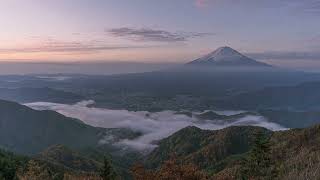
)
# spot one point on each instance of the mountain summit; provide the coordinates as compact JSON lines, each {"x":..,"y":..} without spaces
{"x":226,"y":56}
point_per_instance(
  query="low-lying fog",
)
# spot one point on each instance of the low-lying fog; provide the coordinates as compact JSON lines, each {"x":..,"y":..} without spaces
{"x":154,"y":126}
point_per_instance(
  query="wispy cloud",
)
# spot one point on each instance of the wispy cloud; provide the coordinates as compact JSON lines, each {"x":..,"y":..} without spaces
{"x":51,"y":45}
{"x":154,"y":35}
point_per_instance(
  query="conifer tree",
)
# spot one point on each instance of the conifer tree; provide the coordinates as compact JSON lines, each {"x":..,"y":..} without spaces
{"x":107,"y":171}
{"x":258,"y":164}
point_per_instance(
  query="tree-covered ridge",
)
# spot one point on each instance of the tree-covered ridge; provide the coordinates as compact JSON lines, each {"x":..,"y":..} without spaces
{"x":231,"y":153}
{"x":10,"y":163}
{"x":204,"y":148}
{"x":55,"y":163}
{"x":63,"y":156}
{"x":243,"y":153}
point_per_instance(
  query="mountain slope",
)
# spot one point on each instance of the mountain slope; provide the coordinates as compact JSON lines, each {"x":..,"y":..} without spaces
{"x":28,"y":131}
{"x":226,"y":56}
{"x":63,"y":156}
{"x":13,"y":166}
{"x":294,"y":154}
{"x":207,"y":149}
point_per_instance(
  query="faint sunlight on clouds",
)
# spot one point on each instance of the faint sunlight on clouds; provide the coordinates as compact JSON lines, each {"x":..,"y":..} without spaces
{"x":201,"y":3}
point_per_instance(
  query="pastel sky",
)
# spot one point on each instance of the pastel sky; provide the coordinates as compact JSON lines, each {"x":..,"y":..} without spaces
{"x":278,"y":31}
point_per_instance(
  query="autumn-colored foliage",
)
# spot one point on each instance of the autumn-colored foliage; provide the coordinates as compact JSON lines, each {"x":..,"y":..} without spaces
{"x":170,"y":170}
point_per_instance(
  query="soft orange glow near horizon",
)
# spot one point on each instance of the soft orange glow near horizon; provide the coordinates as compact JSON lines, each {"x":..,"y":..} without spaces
{"x":148,"y":55}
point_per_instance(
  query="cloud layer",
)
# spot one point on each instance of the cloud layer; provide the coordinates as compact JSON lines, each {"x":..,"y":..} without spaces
{"x":154,"y":35}
{"x":153,"y":126}
{"x":287,"y":55}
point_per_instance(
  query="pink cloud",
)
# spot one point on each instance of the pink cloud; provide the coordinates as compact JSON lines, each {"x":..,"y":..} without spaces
{"x":201,"y":3}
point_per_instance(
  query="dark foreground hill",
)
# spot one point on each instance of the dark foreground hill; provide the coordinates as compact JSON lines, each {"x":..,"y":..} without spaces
{"x":65,"y":157}
{"x":55,"y":163}
{"x":223,"y":154}
{"x":28,"y":131}
{"x":207,"y":149}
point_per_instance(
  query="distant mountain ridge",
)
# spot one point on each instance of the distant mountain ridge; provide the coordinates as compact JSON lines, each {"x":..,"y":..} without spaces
{"x":226,"y":56}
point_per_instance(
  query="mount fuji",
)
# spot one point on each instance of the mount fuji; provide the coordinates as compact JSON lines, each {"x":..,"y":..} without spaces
{"x":226,"y":56}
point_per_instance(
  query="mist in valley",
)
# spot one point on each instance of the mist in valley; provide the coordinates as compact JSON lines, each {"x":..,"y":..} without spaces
{"x":154,"y":126}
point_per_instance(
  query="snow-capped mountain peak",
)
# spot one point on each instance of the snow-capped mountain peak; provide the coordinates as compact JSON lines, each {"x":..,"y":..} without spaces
{"x":226,"y":56}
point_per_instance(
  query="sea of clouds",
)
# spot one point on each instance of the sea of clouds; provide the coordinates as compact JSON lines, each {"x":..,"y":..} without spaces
{"x":153,"y":126}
